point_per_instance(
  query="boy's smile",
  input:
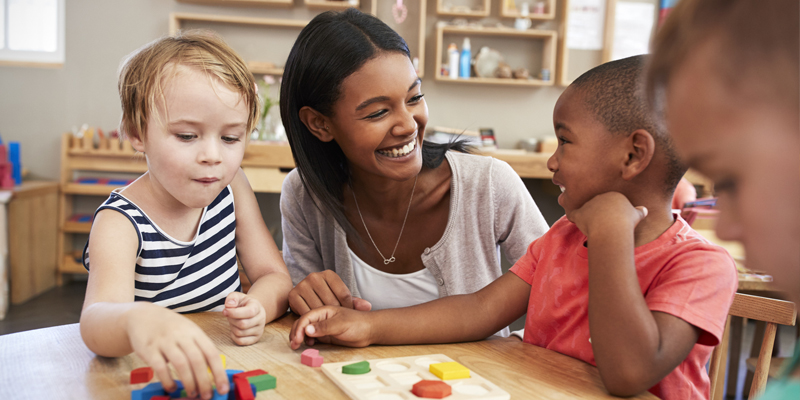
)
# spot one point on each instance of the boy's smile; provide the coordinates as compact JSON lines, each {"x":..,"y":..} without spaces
{"x":582,"y":165}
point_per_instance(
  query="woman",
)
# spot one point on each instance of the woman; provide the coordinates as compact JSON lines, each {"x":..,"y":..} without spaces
{"x":373,"y":216}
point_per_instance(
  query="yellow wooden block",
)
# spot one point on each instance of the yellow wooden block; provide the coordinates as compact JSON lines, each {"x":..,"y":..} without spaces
{"x":449,"y":370}
{"x":221,"y":357}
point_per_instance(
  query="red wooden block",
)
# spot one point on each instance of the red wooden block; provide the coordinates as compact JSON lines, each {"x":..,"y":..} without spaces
{"x":243,"y":389}
{"x":160,"y":398}
{"x":311,"y":358}
{"x":247,"y":374}
{"x":430,"y":389}
{"x":141,"y":375}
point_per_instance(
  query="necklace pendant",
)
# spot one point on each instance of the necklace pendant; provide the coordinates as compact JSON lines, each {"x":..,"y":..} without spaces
{"x":389,"y":260}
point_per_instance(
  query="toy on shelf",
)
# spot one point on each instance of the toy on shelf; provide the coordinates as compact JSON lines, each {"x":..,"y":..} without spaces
{"x":94,"y":141}
{"x":6,"y":177}
{"x":398,"y":376}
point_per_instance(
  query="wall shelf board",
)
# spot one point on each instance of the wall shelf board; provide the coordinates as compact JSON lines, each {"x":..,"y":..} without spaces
{"x":496,"y":81}
{"x":332,"y":4}
{"x":175,"y":20}
{"x":244,"y":3}
{"x":76,"y":227}
{"x":264,"y":68}
{"x":550,"y":11}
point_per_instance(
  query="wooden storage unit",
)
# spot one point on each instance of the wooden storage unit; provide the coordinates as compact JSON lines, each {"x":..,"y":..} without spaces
{"x":548,"y":52}
{"x":487,"y":6}
{"x":332,"y":4}
{"x":246,"y":3}
{"x":549,"y":10}
{"x":33,"y":231}
{"x":419,"y":51}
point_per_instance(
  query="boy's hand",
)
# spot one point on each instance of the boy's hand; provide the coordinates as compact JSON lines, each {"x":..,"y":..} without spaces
{"x":246,"y":317}
{"x":323,"y":288}
{"x":606,"y":210}
{"x":342,"y":326}
{"x":160,"y":336}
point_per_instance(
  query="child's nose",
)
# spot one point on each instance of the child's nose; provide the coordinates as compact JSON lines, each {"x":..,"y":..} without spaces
{"x":728,"y":226}
{"x":552,"y":163}
{"x":210,"y":152}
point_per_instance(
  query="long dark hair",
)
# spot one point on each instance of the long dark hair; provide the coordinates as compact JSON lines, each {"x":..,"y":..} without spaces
{"x":330,"y":48}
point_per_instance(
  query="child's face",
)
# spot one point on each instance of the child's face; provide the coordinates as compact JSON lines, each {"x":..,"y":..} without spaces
{"x":196,"y":147}
{"x":749,"y":148}
{"x":583,"y":164}
{"x":382,"y":109}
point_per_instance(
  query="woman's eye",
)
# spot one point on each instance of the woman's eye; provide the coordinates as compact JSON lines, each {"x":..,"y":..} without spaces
{"x":376,"y":114}
{"x":417,"y":98}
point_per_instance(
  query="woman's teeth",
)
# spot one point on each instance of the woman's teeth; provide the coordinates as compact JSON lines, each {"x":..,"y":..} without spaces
{"x":399,"y":152}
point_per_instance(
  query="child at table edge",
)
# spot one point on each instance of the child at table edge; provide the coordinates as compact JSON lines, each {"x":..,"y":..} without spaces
{"x":168,"y":243}
{"x":653,"y":293}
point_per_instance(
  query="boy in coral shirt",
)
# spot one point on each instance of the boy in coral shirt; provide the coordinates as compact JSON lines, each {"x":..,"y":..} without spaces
{"x":620,"y":282}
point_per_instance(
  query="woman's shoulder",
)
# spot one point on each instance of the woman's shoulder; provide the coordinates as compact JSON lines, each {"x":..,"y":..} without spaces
{"x":294,"y":195}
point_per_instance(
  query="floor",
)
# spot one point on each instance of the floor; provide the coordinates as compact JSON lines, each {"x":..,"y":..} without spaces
{"x":62,"y":305}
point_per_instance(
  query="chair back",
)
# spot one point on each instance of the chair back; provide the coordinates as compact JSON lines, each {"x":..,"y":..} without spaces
{"x":771,"y":311}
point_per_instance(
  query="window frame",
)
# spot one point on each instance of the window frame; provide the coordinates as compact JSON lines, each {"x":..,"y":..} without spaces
{"x":42,"y":59}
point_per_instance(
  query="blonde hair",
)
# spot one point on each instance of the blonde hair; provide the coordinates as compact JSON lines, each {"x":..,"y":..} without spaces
{"x":758,"y":46}
{"x":144,"y":74}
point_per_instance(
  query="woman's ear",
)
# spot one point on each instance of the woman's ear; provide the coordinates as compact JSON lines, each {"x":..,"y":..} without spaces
{"x":641,"y":147}
{"x":316,"y":123}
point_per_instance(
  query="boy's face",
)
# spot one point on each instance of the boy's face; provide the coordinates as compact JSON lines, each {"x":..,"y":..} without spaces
{"x":583,"y":166}
{"x":196,"y":146}
{"x":750,"y":148}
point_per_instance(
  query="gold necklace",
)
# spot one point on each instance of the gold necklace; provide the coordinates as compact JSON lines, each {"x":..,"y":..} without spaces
{"x":391,"y":259}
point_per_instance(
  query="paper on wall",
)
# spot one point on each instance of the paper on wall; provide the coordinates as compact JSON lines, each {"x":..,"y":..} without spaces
{"x":633,"y":24}
{"x":586,"y":24}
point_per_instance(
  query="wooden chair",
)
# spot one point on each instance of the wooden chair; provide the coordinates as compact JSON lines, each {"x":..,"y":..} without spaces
{"x":771,"y":311}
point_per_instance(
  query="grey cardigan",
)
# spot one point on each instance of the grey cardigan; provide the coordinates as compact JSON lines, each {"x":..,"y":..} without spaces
{"x":490,"y":209}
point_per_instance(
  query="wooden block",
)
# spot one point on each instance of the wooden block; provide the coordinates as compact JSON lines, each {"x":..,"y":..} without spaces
{"x":449,"y":370}
{"x":358,"y":368}
{"x":103,"y":146}
{"x":114,"y":145}
{"x":141,"y":375}
{"x":263,"y":382}
{"x":127,"y":147}
{"x":430,"y":389}
{"x":311,"y":358}
{"x":88,"y":139}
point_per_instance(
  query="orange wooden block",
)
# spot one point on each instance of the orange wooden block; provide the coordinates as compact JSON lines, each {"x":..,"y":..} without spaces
{"x":141,"y":375}
{"x":430,"y":389}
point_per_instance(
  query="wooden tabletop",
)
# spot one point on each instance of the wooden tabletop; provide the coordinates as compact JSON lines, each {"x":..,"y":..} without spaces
{"x":53,"y":363}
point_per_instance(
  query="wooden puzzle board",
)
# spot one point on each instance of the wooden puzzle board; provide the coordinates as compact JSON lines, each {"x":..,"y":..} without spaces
{"x":392,"y":379}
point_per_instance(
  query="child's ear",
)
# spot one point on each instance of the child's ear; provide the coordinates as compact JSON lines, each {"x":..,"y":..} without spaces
{"x":136,"y":142}
{"x":641,"y":147}
{"x":316,"y":123}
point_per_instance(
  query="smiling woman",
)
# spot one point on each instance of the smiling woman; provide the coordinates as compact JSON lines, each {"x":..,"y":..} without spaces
{"x":374,"y":216}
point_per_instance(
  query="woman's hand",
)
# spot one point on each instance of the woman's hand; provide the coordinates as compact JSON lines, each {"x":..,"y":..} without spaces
{"x":160,"y":336}
{"x":246,"y":317}
{"x":340,"y":325}
{"x":323,"y":288}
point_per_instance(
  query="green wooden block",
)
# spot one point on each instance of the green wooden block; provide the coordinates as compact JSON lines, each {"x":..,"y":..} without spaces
{"x":357,"y":368}
{"x":263,"y":382}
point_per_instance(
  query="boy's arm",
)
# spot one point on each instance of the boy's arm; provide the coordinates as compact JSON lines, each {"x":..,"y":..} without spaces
{"x":258,"y":254}
{"x":634,"y":347}
{"x":113,"y":325}
{"x":450,"y":319}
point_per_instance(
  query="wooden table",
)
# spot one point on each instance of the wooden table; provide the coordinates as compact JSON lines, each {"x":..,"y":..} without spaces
{"x":53,"y":363}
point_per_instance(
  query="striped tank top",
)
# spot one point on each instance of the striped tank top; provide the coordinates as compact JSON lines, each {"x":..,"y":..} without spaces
{"x":183,"y":276}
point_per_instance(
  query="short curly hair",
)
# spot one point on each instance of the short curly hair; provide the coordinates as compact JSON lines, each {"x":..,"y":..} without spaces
{"x":144,"y":73}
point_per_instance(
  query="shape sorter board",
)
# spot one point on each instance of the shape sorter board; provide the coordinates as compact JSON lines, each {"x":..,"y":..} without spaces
{"x":392,"y":379}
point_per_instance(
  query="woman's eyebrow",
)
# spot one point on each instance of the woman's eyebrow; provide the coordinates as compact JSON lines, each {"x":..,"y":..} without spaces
{"x":366,"y":103}
{"x":413,"y":85}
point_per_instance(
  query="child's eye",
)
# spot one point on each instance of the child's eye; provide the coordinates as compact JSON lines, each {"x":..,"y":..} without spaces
{"x":562,"y":140}
{"x":727,"y":185}
{"x":185,"y":136}
{"x":416,"y":99}
{"x":230,"y":139}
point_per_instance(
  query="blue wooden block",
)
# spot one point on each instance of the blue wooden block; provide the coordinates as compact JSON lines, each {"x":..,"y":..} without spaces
{"x":153,"y":389}
{"x":232,"y":372}
{"x":176,"y":394}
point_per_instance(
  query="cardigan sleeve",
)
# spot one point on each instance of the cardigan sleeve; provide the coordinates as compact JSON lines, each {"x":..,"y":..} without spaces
{"x":517,"y":219}
{"x":300,"y":251}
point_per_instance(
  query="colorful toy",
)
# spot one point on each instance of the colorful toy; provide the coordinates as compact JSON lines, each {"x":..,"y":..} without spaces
{"x":311,"y":358}
{"x":146,"y":393}
{"x":449,"y":370}
{"x":396,"y":377}
{"x":262,"y":382}
{"x":141,"y":375}
{"x":16,"y":163}
{"x":431,"y":389}
{"x":358,"y":368}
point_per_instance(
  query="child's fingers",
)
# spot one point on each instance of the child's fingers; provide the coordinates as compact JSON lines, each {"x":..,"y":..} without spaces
{"x":245,"y":340}
{"x":157,"y":362}
{"x":234,"y":299}
{"x":211,"y":355}
{"x":199,"y":364}
{"x":361,"y":304}
{"x":245,"y":311}
{"x":183,"y":367}
{"x":252,"y":331}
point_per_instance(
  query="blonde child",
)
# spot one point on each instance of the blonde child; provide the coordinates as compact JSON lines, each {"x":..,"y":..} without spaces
{"x":726,"y":74}
{"x":620,"y":282}
{"x":168,"y":242}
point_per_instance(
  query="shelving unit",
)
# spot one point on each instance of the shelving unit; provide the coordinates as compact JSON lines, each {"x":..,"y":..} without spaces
{"x":487,"y":6}
{"x":420,"y":51}
{"x":548,"y":53}
{"x":549,"y":13}
{"x":245,"y":3}
{"x":332,"y":4}
{"x":79,"y":156}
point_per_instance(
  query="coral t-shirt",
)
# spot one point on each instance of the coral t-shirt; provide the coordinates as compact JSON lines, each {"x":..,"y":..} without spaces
{"x":680,"y":273}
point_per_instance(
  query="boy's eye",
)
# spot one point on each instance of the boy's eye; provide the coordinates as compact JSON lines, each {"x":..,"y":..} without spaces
{"x":562,"y":140}
{"x":727,"y":185}
{"x":185,"y":136}
{"x":230,"y":139}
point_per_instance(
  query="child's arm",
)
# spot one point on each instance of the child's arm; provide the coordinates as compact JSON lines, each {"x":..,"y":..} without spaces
{"x":113,"y":325}
{"x":634,"y":348}
{"x":256,"y":250}
{"x":450,"y":319}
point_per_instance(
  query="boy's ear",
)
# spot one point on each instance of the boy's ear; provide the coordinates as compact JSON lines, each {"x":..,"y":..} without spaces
{"x":641,"y":147}
{"x":316,"y":123}
{"x":136,"y":142}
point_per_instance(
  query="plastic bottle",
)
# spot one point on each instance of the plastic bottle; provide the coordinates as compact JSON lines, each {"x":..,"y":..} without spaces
{"x":452,"y":60}
{"x":466,"y":60}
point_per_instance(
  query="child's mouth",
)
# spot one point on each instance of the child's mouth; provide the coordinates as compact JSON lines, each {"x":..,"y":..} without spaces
{"x":562,"y":188}
{"x":399,"y":151}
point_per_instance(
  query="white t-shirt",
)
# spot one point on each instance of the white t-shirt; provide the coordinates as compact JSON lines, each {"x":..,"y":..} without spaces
{"x":386,"y":290}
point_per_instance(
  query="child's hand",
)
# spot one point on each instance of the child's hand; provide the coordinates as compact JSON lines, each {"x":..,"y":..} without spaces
{"x":341,"y":325}
{"x":246,"y":317}
{"x":323,"y":288}
{"x":160,"y":336}
{"x":606,"y":210}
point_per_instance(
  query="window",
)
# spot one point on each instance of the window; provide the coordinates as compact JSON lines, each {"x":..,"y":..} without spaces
{"x":32,"y":32}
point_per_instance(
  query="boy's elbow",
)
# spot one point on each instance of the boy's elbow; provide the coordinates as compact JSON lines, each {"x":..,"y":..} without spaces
{"x":625,"y":382}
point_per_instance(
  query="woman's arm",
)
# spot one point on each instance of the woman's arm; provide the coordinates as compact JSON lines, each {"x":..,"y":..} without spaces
{"x":263,"y":265}
{"x":112,"y":325}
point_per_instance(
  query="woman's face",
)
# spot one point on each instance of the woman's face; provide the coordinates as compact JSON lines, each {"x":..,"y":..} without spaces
{"x":379,"y":120}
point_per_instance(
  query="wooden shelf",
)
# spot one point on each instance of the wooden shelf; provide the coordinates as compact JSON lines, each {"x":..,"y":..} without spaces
{"x":332,"y":5}
{"x":264,"y":68}
{"x":70,"y":266}
{"x":76,"y":227}
{"x":548,"y":53}
{"x":88,"y":189}
{"x":550,"y":11}
{"x":487,"y":6}
{"x":175,"y":20}
{"x":245,"y":3}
